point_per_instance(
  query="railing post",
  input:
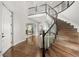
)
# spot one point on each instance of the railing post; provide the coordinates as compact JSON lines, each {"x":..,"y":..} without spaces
{"x":49,"y":11}
{"x":67,"y":4}
{"x":45,"y":8}
{"x":43,"y":51}
{"x":36,"y":10}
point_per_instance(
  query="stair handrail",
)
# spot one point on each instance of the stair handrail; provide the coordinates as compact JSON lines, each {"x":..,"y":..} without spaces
{"x":68,"y":5}
{"x":54,"y":18}
{"x":58,"y":4}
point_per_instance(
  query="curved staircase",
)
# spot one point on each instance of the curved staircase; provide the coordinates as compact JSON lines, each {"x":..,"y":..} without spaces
{"x":67,"y":43}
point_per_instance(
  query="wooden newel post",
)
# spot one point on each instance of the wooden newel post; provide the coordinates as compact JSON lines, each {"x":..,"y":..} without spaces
{"x":43,"y":51}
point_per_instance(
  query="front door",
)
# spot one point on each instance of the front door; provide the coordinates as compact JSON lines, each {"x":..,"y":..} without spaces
{"x":6,"y":29}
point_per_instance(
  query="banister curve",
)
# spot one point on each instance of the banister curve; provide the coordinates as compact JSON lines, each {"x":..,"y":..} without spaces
{"x":54,"y":16}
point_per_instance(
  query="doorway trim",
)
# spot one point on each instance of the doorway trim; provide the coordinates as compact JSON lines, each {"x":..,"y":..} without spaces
{"x":12,"y":24}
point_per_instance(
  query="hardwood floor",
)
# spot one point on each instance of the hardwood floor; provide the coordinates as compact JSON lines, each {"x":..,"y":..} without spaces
{"x":24,"y":49}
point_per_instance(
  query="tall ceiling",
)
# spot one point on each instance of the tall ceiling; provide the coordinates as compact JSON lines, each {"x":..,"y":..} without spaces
{"x":20,"y":8}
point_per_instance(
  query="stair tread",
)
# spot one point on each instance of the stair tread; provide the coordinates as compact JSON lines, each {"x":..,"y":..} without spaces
{"x":51,"y":52}
{"x":63,"y":25}
{"x":60,"y":53}
{"x":66,"y":50}
{"x":71,"y":45}
{"x":47,"y":55}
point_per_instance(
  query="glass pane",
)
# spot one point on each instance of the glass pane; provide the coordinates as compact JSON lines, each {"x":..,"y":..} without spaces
{"x":52,"y":12}
{"x":41,"y":9}
{"x":70,"y":2}
{"x":50,"y":36}
{"x":58,"y":8}
{"x":64,"y":5}
{"x":32,"y":11}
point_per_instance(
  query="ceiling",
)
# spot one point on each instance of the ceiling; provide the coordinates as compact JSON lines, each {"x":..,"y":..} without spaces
{"x":20,"y":8}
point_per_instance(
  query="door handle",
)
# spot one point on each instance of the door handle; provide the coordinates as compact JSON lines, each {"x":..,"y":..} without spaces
{"x":3,"y":35}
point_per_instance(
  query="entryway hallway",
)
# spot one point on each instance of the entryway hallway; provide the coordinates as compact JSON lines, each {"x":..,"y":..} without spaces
{"x":39,"y":29}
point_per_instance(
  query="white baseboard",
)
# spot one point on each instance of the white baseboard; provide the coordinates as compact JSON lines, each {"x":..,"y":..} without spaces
{"x":78,"y":30}
{"x":18,"y":42}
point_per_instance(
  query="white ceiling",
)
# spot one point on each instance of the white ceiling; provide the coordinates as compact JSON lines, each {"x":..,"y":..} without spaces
{"x":20,"y":8}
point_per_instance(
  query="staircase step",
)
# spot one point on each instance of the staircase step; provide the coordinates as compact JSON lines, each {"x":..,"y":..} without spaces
{"x":47,"y":55}
{"x":51,"y":53}
{"x":65,"y":50}
{"x":60,"y":53}
{"x":66,"y":25}
{"x":68,"y":29}
{"x":70,"y":45}
{"x":68,"y":32}
{"x":63,"y":25}
{"x":72,"y":38}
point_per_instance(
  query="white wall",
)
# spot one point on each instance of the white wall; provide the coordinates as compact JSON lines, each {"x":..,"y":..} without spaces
{"x":19,"y":29}
{"x":20,"y":18}
{"x":71,"y":15}
{"x":0,"y":25}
